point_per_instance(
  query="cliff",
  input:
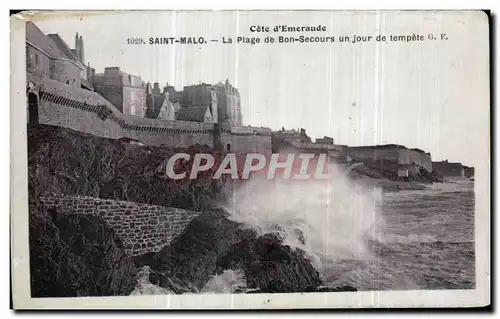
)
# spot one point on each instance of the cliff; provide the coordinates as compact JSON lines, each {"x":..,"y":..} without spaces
{"x":64,"y":161}
{"x":75,"y":255}
{"x":76,"y":251}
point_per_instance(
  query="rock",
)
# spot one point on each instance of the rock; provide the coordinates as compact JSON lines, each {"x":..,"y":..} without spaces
{"x":212,"y":243}
{"x":192,"y":256}
{"x":172,"y":284}
{"x":75,"y":255}
{"x":270,"y":266}
{"x":145,"y":259}
{"x":55,"y":270}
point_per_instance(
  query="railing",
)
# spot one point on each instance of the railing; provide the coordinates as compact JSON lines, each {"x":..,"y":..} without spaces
{"x":106,"y":113}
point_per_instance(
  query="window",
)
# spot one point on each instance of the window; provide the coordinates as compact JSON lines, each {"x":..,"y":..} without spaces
{"x":36,"y":59}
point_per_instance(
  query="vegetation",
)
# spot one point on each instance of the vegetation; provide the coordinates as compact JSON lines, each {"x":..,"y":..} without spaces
{"x":64,"y":161}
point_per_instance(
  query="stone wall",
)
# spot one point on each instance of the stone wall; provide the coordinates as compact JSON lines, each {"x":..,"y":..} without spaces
{"x":448,"y":169}
{"x":245,"y":143}
{"x":40,"y":66}
{"x":394,"y":154}
{"x":142,"y":228}
{"x":81,"y":110}
{"x":416,"y":157}
{"x":37,"y":63}
{"x":87,"y":111}
{"x":67,"y":72}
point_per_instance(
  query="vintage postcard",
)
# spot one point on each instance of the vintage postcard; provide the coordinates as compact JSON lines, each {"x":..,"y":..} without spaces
{"x":250,"y":159}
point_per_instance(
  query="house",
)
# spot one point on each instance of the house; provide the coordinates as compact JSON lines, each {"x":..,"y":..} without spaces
{"x":195,"y":114}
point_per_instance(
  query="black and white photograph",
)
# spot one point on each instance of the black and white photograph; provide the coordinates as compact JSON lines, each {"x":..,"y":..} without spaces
{"x":251,"y":159}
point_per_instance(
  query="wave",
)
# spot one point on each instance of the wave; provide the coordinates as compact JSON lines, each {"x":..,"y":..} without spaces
{"x":328,"y":219}
{"x":406,"y":239}
{"x":230,"y":281}
{"x":145,"y":287}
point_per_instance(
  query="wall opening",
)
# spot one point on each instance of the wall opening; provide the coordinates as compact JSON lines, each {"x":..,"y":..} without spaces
{"x":33,"y":108}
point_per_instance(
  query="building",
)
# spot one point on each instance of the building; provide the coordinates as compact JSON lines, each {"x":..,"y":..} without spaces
{"x":222,"y":100}
{"x":162,"y":107}
{"x":229,"y":104}
{"x":390,"y":154}
{"x":291,"y":137}
{"x":174,"y":96}
{"x":325,"y":140}
{"x":76,"y":55}
{"x":299,"y":140}
{"x":202,"y":98}
{"x":49,"y":57}
{"x":200,"y":113}
{"x":449,"y":170}
{"x":127,"y":92}
{"x":61,"y":91}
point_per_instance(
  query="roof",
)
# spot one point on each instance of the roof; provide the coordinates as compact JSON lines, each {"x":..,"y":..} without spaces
{"x":192,"y":113}
{"x":63,"y":46}
{"x":158,"y":103}
{"x":36,"y":37}
{"x":445,"y":163}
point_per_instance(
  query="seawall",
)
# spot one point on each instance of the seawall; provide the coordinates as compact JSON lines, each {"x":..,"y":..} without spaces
{"x":143,"y":228}
{"x":87,"y":111}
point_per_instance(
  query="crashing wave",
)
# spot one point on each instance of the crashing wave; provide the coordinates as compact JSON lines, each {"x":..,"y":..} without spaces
{"x":230,"y":281}
{"x":145,"y":287}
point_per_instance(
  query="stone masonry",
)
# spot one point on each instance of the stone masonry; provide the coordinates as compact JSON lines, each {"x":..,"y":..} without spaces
{"x":143,"y":228}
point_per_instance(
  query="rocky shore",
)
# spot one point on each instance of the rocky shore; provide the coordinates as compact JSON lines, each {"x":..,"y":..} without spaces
{"x":212,"y":243}
{"x":74,"y":255}
{"x":377,"y":175}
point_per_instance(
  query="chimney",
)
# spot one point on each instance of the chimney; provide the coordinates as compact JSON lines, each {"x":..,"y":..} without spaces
{"x":156,"y":88}
{"x":82,"y":57}
{"x":77,"y":46}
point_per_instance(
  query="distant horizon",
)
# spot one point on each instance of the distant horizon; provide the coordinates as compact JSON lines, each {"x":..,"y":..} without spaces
{"x":420,"y":95}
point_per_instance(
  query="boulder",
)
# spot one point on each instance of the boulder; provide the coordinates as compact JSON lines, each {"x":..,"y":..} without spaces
{"x":192,"y":256}
{"x":270,"y":266}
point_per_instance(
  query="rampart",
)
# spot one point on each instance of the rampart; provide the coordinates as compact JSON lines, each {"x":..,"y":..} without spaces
{"x":142,"y":228}
{"x":391,"y":153}
{"x":448,"y":169}
{"x":87,"y":111}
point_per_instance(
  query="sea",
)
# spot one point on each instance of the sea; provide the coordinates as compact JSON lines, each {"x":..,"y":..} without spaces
{"x":361,"y":236}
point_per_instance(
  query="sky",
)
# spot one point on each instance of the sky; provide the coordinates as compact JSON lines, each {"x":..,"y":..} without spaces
{"x":432,"y":94}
